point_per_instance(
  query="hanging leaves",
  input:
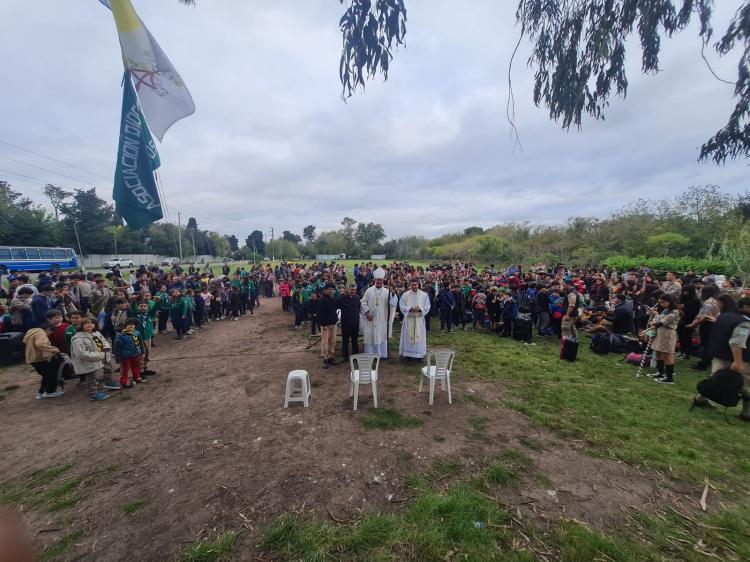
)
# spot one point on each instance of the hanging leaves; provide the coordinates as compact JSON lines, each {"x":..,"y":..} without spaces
{"x":579,"y":56}
{"x":371,"y":30}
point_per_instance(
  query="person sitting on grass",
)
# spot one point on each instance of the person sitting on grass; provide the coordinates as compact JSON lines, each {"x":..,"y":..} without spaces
{"x":128,"y":351}
{"x":88,"y":359}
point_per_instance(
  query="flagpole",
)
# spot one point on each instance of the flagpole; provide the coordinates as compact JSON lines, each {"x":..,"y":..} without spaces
{"x":179,"y":234}
{"x":80,"y":250}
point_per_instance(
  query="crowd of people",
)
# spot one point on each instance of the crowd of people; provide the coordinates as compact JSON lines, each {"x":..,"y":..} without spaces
{"x":705,"y":316}
{"x":90,"y":326}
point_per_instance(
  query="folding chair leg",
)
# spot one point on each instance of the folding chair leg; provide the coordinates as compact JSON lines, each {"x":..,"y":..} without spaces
{"x":375,"y":393}
{"x":448,"y":382}
{"x":421,"y":379}
{"x":356,"y":394}
{"x":432,"y":390}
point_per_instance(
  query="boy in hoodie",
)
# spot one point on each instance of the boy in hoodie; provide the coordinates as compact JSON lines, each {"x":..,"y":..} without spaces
{"x":128,"y":350}
{"x":146,"y":328}
{"x":88,"y":359}
{"x":45,"y":358}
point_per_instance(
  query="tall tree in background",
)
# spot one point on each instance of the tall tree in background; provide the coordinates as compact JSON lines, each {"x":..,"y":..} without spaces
{"x":92,"y":214}
{"x":255,"y":242}
{"x":308,"y":233}
{"x":21,"y":222}
{"x":56,"y":196}
{"x":291,"y":237}
{"x":368,"y":236}
{"x":234,"y":244}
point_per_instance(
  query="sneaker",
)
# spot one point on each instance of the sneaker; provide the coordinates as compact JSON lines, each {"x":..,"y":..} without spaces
{"x":140,"y":380}
{"x":39,"y":395}
{"x":664,"y":380}
{"x":53,"y":394}
{"x":129,"y":385}
{"x":701,"y":402}
{"x":111,"y":386}
{"x":325,"y":364}
{"x":442,"y":331}
{"x":178,"y":338}
{"x":655,"y":375}
{"x":99,"y":396}
{"x":190,"y":332}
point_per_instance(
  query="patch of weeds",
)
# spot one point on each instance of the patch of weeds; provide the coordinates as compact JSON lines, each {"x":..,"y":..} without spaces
{"x":388,"y":419}
{"x":507,"y":468}
{"x":134,"y":506}
{"x":211,"y":551}
{"x":445,"y":468}
{"x":577,"y":542}
{"x":47,"y":475}
{"x":3,"y":395}
{"x":417,"y":482}
{"x":60,"y":547}
{"x":531,"y":443}
{"x":29,"y":490}
{"x":459,"y":521}
{"x":438,"y":438}
{"x":478,"y":425}
{"x":65,"y":495}
{"x":110,"y":469}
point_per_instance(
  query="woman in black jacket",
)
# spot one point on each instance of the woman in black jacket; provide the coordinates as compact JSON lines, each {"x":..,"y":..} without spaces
{"x":690,"y":304}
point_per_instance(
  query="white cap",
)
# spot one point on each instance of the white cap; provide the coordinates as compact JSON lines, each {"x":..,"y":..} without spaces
{"x":379,"y":273}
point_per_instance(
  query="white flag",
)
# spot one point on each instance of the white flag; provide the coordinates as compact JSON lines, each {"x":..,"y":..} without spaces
{"x":163,"y":95}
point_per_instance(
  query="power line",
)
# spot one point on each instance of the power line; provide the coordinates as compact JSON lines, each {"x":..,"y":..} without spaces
{"x":50,"y":171}
{"x":30,"y":178}
{"x":55,"y":160}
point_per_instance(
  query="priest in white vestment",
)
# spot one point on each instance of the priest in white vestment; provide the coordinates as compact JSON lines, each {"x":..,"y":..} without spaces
{"x":414,"y":304}
{"x":376,"y":304}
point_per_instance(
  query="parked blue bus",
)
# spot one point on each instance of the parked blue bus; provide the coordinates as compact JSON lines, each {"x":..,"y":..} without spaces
{"x":36,"y":258}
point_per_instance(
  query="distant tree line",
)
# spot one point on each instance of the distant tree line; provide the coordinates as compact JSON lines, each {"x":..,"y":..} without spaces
{"x":702,"y":223}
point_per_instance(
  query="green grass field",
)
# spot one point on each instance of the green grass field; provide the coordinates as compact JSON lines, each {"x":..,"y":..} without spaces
{"x":597,"y":401}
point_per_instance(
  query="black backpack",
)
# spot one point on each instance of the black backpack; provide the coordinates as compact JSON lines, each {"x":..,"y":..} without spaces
{"x":569,"y":348}
{"x":601,"y":344}
{"x":723,"y":387}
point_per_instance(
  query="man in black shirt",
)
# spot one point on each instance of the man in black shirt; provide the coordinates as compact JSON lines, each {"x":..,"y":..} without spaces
{"x":349,"y":304}
{"x":327,"y":318}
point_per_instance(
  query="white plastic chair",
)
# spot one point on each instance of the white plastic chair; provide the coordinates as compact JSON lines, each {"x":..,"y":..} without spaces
{"x":364,"y":369}
{"x":439,"y":371}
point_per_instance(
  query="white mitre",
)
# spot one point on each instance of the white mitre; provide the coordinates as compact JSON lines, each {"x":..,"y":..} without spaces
{"x":379,"y":273}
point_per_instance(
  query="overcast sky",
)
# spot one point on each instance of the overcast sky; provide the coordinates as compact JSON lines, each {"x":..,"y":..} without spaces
{"x":272,"y":145}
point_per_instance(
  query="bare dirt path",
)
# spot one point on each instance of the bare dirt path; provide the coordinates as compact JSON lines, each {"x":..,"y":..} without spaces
{"x":208,"y":446}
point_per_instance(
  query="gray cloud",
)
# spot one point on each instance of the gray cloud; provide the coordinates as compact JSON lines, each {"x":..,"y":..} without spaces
{"x":429,"y":151}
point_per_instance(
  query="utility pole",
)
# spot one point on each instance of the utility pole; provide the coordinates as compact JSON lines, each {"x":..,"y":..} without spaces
{"x":192,"y":235}
{"x":273,"y":250}
{"x":179,"y":233}
{"x":80,"y":250}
